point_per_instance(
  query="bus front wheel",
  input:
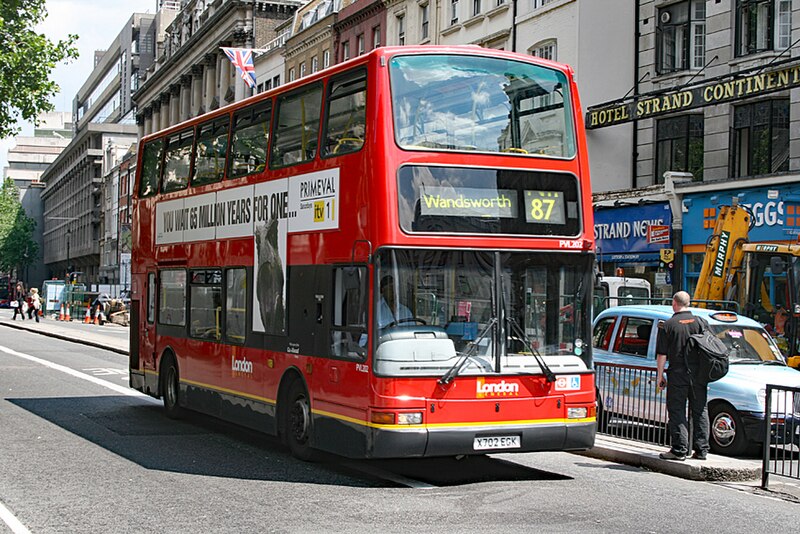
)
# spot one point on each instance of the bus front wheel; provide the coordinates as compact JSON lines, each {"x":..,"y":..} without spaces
{"x":297,"y":422}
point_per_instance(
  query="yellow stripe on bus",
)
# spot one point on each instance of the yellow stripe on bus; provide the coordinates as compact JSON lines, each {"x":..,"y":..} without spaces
{"x":361,"y":422}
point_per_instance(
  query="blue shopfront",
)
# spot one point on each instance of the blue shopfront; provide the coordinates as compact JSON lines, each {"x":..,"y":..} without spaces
{"x":623,"y":240}
{"x":776,"y":216}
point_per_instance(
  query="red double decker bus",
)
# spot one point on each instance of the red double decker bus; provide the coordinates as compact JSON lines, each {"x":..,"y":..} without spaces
{"x":389,"y":258}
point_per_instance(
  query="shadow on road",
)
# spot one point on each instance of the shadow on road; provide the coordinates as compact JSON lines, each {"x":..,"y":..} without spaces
{"x":202,"y":445}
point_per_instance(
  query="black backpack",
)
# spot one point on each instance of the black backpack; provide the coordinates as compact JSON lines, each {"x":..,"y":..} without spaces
{"x":710,"y":353}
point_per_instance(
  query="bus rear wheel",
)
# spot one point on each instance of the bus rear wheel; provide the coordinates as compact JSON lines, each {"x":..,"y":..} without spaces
{"x":170,"y":388}
{"x":297,"y":422}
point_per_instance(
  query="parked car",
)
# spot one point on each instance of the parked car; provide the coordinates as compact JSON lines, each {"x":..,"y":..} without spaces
{"x":626,"y":335}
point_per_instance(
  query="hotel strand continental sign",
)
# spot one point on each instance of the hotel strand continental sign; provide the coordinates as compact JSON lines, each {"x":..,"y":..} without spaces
{"x":736,"y":86}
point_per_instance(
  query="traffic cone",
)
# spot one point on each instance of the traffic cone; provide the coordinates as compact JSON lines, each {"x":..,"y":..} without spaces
{"x":67,"y":317}
{"x":61,"y":315}
{"x":87,"y":319}
{"x":97,"y":314}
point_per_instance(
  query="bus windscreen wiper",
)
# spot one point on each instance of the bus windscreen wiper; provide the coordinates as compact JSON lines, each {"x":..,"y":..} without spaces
{"x":471,"y":348}
{"x":548,"y":373}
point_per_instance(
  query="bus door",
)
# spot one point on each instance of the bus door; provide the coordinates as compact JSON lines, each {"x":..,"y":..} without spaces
{"x":147,"y":325}
{"x":336,"y":330}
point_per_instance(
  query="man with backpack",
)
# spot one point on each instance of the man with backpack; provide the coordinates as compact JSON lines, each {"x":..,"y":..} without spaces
{"x":682,"y":381}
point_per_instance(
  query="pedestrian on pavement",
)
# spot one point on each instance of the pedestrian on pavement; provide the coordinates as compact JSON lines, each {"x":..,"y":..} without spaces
{"x":683,"y":384}
{"x":19,"y":299}
{"x":35,"y":306}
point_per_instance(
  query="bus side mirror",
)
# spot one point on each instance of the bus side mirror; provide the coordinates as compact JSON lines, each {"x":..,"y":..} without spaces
{"x":777,"y":265}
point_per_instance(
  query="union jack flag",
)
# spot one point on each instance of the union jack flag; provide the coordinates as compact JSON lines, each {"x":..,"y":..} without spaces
{"x":242,"y":58}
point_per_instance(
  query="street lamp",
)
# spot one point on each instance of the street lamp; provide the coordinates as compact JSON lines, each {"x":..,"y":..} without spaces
{"x":68,"y":266}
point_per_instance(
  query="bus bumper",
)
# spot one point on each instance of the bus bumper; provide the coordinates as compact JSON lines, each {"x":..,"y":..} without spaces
{"x":423,"y":442}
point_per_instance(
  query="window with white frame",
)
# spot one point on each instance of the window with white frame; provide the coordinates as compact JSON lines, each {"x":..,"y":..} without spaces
{"x":476,"y":7}
{"x":302,"y":69}
{"x":453,"y":12}
{"x":763,"y":25}
{"x":681,"y":36}
{"x":291,"y":74}
{"x":376,"y":37}
{"x":360,"y":44}
{"x":314,"y":64}
{"x":535,"y":4}
{"x":326,"y":59}
{"x":345,"y":50}
{"x":424,"y":14}
{"x":545,"y":49}
{"x":401,"y":29}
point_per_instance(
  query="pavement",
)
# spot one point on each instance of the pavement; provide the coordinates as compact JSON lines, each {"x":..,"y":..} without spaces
{"x":741,"y":473}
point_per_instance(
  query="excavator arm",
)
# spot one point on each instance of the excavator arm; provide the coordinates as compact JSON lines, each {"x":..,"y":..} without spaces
{"x":719,"y":276}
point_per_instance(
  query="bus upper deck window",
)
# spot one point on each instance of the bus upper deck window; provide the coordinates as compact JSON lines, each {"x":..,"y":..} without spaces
{"x":151,"y":168}
{"x":346,"y":114}
{"x":209,"y":158}
{"x":250,"y":140}
{"x":297,"y":127}
{"x":177,"y":161}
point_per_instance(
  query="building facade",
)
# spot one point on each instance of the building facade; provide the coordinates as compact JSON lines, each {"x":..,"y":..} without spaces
{"x":28,"y":159}
{"x":716,"y":96}
{"x":104,"y":120}
{"x":191,"y":74}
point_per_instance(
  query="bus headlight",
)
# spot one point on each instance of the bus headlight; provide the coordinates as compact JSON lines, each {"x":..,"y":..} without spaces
{"x":414,"y":418}
{"x":576,"y":413}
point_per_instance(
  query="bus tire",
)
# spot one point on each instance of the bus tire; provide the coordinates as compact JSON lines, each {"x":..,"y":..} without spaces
{"x":170,"y":387}
{"x":297,"y":421}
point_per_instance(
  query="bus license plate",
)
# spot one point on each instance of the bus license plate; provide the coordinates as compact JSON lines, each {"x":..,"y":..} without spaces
{"x":496,"y":442}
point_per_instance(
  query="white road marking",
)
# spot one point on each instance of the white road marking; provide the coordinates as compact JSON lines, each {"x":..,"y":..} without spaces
{"x":379,"y":473}
{"x":13,"y":523}
{"x":77,"y":374}
{"x":386,"y":475}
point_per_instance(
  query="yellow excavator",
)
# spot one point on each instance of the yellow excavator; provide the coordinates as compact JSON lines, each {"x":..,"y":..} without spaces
{"x":738,"y":273}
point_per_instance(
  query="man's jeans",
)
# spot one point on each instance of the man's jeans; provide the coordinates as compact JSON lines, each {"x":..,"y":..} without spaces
{"x":677,"y":396}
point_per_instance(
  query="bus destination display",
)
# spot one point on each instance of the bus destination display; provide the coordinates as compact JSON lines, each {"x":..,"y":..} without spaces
{"x":541,"y":207}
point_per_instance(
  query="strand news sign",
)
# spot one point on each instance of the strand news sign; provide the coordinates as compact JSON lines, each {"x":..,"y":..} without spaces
{"x":718,"y":92}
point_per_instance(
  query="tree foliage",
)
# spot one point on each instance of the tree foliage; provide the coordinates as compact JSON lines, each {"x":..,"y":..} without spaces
{"x":26,"y":60}
{"x":17,"y":246}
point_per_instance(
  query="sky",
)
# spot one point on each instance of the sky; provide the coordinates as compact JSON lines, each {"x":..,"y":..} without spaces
{"x":97,"y":23}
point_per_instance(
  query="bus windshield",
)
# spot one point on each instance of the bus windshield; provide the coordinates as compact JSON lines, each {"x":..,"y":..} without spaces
{"x":461,"y":102}
{"x":433,"y":306}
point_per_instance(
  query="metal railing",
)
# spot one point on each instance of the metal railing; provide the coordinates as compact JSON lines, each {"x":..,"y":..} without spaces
{"x":782,"y":429}
{"x":629,"y":405}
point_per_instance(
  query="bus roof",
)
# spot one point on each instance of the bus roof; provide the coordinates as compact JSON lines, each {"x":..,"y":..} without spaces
{"x":373,"y":55}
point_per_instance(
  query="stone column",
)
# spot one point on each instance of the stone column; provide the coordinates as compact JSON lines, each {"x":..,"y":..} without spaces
{"x":186,"y":97}
{"x":211,"y":80}
{"x":225,"y":67}
{"x":155,"y":122}
{"x":165,"y":114}
{"x":175,"y":104}
{"x":241,"y":90}
{"x":148,"y":120}
{"x":197,"y":90}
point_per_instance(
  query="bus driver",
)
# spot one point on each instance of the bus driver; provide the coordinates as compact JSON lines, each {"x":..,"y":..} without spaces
{"x":391,"y":312}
